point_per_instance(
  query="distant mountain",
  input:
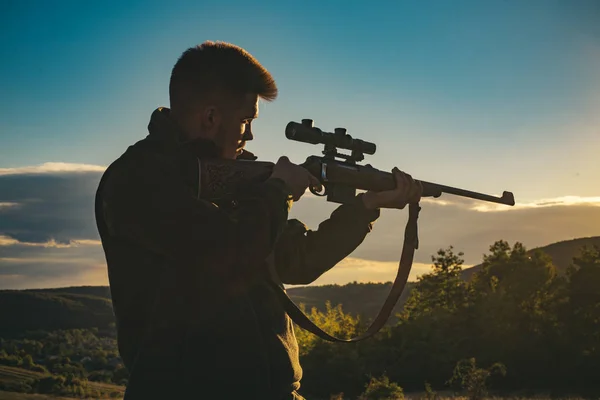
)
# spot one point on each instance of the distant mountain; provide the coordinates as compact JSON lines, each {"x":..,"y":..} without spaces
{"x":561,"y":253}
{"x":364,"y":299}
{"x":95,"y":291}
{"x":90,"y":306}
{"x":23,"y":310}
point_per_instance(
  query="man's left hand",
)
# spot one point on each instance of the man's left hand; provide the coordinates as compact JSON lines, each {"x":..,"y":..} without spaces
{"x":407,"y":191}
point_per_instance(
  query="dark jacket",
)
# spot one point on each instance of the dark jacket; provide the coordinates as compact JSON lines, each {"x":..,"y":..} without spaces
{"x":187,"y":277}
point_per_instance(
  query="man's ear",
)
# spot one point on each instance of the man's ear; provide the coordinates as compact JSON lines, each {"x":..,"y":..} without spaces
{"x":211,"y":117}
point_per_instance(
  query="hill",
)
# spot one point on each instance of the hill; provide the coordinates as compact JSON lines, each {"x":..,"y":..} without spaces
{"x":561,"y":253}
{"x":364,"y":299}
{"x":90,"y":306}
{"x":94,"y":291}
{"x":52,"y":309}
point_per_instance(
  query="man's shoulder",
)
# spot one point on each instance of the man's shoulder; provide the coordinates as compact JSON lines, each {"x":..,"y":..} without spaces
{"x":143,"y":157}
{"x":139,"y":155}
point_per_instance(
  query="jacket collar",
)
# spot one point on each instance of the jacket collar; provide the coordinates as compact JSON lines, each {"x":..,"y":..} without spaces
{"x":163,"y":129}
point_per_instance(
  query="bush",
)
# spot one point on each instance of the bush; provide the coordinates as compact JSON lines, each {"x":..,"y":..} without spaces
{"x":382,"y":389}
{"x":474,"y":380}
{"x":25,"y":386}
{"x":39,"y":368}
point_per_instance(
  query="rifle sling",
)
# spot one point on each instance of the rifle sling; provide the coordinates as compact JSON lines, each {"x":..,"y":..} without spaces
{"x":411,"y":242}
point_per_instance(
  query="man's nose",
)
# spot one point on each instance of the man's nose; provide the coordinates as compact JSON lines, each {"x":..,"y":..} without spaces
{"x":247,"y":133}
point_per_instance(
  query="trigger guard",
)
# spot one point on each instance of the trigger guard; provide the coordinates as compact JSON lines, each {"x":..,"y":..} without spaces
{"x":313,"y":191}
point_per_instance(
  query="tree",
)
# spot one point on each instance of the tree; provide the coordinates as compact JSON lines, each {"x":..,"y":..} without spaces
{"x":584,"y":317}
{"x":433,"y":330}
{"x":515,"y":314}
{"x":473,"y":380}
{"x":28,"y":362}
{"x":442,"y":289}
{"x":382,"y":389}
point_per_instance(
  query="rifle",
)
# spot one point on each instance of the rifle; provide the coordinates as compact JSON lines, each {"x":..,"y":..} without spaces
{"x":341,"y":176}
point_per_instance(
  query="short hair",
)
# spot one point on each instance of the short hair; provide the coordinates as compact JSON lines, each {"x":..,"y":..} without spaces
{"x":217,"y":68}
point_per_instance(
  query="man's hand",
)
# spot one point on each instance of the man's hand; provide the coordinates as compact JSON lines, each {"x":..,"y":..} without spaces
{"x":297,"y":178}
{"x":406,"y":191}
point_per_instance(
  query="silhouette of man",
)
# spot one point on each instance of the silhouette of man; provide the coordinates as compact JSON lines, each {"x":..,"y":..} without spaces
{"x":195,"y":317}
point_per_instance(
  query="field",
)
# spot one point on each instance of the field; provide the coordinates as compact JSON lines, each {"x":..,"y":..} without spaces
{"x":12,"y":374}
{"x":23,"y":396}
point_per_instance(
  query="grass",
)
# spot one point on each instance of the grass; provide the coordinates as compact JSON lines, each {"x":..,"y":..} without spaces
{"x":13,"y":374}
{"x":24,"y":396}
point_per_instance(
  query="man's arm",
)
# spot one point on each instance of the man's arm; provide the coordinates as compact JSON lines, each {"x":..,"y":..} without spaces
{"x":302,"y":255}
{"x":148,"y":204}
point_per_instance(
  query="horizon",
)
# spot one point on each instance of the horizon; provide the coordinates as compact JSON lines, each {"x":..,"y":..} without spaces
{"x":488,"y":97}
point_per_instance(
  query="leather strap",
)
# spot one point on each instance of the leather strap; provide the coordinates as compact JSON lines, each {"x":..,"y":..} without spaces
{"x":411,"y":243}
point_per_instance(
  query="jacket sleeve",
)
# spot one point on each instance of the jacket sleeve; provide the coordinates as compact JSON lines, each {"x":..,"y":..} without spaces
{"x":302,"y":255}
{"x":148,"y":205}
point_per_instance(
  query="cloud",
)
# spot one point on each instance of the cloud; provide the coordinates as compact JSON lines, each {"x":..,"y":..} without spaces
{"x":467,"y":226}
{"x":8,"y":241}
{"x":360,"y":270}
{"x":559,"y":201}
{"x":35,"y":265}
{"x":35,"y":275}
{"x":7,"y":205}
{"x":52,"y":168}
{"x":48,"y":234}
{"x":41,"y":204}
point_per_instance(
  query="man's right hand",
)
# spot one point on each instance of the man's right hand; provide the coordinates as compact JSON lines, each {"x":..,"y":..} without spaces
{"x":297,"y":178}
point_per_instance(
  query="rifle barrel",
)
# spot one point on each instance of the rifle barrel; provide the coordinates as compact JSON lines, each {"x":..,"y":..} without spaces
{"x":435,"y":190}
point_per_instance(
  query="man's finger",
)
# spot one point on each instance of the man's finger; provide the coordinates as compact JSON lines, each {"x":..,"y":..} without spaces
{"x":405,"y":184}
{"x":315,"y":183}
{"x":416,"y":192}
{"x":408,"y":180}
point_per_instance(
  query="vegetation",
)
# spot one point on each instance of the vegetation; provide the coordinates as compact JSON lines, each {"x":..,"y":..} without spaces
{"x":19,"y":380}
{"x":517,"y":326}
{"x":533,"y":330}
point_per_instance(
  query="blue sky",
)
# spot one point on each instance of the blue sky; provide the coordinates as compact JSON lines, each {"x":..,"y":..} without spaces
{"x":442,"y":87}
{"x":488,"y":96}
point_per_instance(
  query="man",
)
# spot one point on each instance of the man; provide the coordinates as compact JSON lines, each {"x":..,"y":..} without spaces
{"x":195,"y":317}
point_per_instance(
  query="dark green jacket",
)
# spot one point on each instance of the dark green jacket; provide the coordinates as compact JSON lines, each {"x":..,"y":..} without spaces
{"x":187,"y":276}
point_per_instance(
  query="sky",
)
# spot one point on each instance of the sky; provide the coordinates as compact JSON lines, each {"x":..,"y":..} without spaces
{"x":486,"y":96}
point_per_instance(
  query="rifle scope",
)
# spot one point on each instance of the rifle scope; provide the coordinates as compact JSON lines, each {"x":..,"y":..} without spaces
{"x":307,"y":133}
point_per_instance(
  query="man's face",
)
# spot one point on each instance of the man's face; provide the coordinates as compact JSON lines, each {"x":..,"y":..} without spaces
{"x":236,"y":127}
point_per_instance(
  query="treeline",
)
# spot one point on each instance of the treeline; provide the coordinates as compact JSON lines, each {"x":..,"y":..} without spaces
{"x":516,"y":326}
